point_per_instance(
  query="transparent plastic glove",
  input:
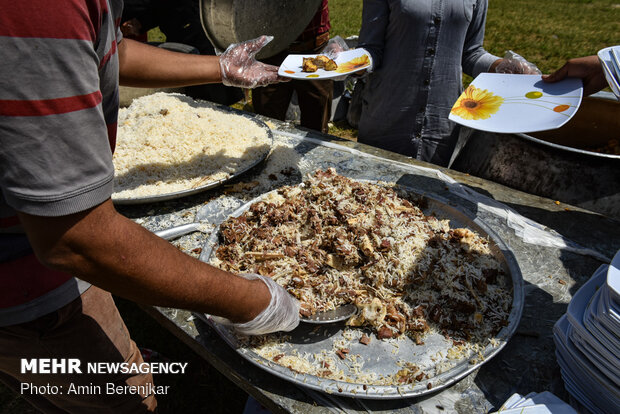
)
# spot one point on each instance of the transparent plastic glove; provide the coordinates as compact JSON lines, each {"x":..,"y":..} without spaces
{"x":282,"y":313}
{"x":240,"y":68}
{"x":515,"y":63}
{"x":334,"y":47}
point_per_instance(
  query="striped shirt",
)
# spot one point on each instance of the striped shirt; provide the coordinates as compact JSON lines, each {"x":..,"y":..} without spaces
{"x":58,"y":112}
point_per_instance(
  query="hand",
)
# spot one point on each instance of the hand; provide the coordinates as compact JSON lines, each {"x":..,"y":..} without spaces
{"x":587,"y":68}
{"x":282,"y":313}
{"x":131,"y":28}
{"x":334,"y":47}
{"x":515,"y":63}
{"x":239,"y":67}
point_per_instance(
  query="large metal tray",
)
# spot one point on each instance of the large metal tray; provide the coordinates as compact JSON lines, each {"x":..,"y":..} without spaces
{"x":382,"y":357}
{"x":212,"y":184}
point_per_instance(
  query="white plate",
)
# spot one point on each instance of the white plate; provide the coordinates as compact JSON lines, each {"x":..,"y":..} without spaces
{"x":581,"y":379}
{"x":511,"y":402}
{"x":545,"y":398}
{"x":530,"y":409}
{"x":348,"y":62}
{"x":610,"y":68}
{"x":613,"y":278}
{"x":592,"y":323}
{"x":595,"y":357}
{"x":607,"y":315}
{"x":583,"y":297}
{"x":556,"y":405}
{"x":506,"y":103}
{"x":578,"y":389}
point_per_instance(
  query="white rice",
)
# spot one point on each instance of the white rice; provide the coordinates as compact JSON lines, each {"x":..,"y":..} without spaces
{"x":167,"y":142}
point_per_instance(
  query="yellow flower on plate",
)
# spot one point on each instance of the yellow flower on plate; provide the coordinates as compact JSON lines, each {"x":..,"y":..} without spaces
{"x":353,"y":64}
{"x":477,"y":104}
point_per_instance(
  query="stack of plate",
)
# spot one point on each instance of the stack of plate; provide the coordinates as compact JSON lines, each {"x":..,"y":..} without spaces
{"x":587,"y":340}
{"x":535,"y":403}
{"x":610,"y":60}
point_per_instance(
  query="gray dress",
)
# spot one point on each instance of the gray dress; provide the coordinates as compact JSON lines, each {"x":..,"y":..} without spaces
{"x":420,"y":49}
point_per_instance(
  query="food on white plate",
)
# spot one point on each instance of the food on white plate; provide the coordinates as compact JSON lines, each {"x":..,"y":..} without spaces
{"x":312,"y":64}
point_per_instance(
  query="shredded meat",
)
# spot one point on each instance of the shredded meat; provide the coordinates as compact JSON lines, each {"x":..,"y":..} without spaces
{"x":333,"y":240}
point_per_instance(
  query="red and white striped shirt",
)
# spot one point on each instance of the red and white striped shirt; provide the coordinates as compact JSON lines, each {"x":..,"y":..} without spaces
{"x":58,"y":113}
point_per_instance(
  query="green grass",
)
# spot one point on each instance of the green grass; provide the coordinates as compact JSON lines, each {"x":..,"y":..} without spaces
{"x":552,"y":31}
{"x":345,"y":17}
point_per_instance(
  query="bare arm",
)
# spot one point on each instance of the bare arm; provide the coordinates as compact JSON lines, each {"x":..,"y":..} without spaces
{"x":102,"y":247}
{"x":142,"y":65}
{"x":587,"y":68}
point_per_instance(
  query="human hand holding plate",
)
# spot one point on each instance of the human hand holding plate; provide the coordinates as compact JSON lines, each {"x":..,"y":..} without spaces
{"x":507,"y":103}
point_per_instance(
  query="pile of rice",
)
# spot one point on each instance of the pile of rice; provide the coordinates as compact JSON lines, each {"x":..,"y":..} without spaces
{"x":167,"y":142}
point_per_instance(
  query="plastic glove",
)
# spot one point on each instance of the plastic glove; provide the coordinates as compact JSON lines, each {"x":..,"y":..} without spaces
{"x":515,"y":63}
{"x":334,"y":47}
{"x":282,"y":313}
{"x":239,"y":67}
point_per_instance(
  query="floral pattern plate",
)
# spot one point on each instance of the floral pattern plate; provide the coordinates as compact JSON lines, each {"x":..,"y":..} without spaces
{"x":506,"y":103}
{"x":348,"y":62}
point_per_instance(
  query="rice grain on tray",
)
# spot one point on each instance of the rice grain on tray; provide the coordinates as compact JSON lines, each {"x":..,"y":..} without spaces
{"x":167,"y":142}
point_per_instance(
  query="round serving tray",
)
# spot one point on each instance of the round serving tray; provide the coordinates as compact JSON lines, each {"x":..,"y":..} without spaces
{"x":234,"y":174}
{"x":384,"y":357}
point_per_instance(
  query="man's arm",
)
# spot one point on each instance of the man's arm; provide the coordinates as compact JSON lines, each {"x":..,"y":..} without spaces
{"x":101,"y":246}
{"x":143,"y":65}
{"x":587,"y":68}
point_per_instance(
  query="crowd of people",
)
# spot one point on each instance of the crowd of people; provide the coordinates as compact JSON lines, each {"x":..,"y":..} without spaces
{"x":64,"y":249}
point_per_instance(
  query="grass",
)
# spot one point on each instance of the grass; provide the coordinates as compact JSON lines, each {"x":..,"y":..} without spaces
{"x":545,"y":32}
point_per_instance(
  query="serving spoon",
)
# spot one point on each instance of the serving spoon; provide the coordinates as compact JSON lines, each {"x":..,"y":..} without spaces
{"x":214,"y":212}
{"x":341,"y":313}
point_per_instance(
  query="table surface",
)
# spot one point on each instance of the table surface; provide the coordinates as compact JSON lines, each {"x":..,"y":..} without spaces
{"x":551,"y":274}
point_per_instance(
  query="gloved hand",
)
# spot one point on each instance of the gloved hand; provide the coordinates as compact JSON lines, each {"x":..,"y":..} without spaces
{"x":515,"y":63}
{"x":240,"y":68}
{"x":334,"y":47}
{"x":282,"y":313}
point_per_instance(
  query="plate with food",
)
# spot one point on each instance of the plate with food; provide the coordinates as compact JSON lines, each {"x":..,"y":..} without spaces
{"x":438,"y":293}
{"x":311,"y":67}
{"x":169,"y":145}
{"x":508,"y":103}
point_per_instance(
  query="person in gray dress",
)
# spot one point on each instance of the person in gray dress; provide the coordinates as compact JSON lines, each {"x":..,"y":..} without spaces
{"x":419,"y":50}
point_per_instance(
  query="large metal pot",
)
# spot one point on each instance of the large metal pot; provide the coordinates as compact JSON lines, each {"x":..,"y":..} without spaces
{"x":232,"y":21}
{"x":558,"y":164}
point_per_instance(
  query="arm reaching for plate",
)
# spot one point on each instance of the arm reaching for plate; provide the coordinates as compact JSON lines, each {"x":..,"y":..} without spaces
{"x":587,"y":68}
{"x":142,"y":65}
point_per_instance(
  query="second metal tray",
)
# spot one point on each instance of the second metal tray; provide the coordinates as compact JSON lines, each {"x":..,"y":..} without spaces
{"x":382,"y":358}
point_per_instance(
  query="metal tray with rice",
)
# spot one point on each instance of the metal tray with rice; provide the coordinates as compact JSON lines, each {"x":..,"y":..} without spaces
{"x":171,"y":146}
